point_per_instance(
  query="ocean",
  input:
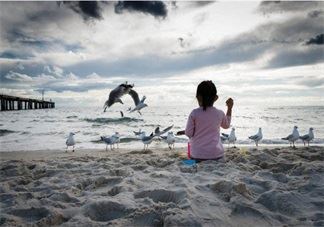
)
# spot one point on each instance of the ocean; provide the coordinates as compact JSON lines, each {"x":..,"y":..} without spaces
{"x":47,"y":129}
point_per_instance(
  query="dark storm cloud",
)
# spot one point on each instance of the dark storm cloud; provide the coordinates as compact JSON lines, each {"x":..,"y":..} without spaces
{"x":311,"y":81}
{"x":15,"y":35}
{"x":87,"y":9}
{"x":294,"y":30}
{"x":31,"y":28}
{"x":12,"y":54}
{"x":286,"y":58}
{"x":288,"y":6}
{"x":275,"y":38}
{"x":26,"y":46}
{"x":318,"y":40}
{"x":316,"y":13}
{"x":240,"y":50}
{"x":203,"y":3}
{"x":155,"y":8}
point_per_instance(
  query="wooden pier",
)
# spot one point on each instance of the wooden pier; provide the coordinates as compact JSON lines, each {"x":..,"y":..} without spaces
{"x":18,"y":103}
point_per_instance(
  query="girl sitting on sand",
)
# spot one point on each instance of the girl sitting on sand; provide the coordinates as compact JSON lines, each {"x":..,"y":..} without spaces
{"x":203,"y":125}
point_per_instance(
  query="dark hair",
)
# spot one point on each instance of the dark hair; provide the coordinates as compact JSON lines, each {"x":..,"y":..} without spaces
{"x":207,"y":91}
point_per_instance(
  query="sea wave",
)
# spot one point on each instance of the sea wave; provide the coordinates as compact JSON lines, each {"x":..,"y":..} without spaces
{"x":4,"y":132}
{"x":122,"y":140}
{"x":72,"y":116}
{"x":103,"y":120}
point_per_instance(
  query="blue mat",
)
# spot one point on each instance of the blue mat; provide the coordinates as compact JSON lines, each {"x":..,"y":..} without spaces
{"x":189,"y":162}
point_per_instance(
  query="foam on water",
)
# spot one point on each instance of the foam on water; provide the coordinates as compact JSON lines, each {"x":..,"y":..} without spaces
{"x":46,"y":129}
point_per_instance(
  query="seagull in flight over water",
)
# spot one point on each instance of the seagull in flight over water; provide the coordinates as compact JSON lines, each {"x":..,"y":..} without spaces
{"x":116,"y":94}
{"x":139,"y":104}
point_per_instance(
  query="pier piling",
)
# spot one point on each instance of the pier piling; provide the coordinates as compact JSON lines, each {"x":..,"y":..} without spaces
{"x":8,"y":102}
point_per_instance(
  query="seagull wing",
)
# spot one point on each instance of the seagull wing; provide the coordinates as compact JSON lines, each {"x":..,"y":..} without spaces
{"x":166,"y":129}
{"x":223,"y":138}
{"x":148,"y":138}
{"x":288,"y":137}
{"x":143,"y":99}
{"x":157,"y":131}
{"x":107,"y":140}
{"x":135,"y":97}
{"x":254,"y":137}
{"x":304,"y":137}
{"x":225,"y":135}
{"x":114,"y":95}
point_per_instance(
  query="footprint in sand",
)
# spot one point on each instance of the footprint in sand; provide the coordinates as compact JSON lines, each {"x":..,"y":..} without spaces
{"x":105,"y":210}
{"x":162,"y":195}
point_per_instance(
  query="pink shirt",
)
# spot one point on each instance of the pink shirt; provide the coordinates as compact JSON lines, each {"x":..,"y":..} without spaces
{"x":203,"y":129}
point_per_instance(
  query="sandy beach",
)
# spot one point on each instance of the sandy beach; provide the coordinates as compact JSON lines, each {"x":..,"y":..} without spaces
{"x":265,"y":187}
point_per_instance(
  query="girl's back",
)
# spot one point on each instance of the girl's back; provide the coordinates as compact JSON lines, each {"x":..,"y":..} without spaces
{"x":203,"y":129}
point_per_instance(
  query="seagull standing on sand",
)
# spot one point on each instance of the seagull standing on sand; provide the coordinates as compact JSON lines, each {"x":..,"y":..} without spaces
{"x":70,"y":141}
{"x":147,"y":139}
{"x":108,"y":141}
{"x":170,"y":140}
{"x":112,"y":140}
{"x":139,"y":104}
{"x":308,"y":137}
{"x":117,"y":93}
{"x":257,"y":137}
{"x":293,"y":136}
{"x":231,"y":138}
{"x":115,"y":139}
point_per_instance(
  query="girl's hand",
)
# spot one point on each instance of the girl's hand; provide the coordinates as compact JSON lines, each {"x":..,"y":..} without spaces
{"x":229,"y":103}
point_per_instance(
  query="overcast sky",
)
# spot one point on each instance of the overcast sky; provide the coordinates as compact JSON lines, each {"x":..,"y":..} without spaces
{"x":255,"y":52}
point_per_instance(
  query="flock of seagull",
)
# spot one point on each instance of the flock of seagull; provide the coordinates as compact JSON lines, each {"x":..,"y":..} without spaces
{"x":141,"y":135}
{"x":125,"y":88}
{"x":292,"y":138}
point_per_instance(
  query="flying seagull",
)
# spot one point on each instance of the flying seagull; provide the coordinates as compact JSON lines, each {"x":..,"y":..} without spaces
{"x":293,"y":136}
{"x":257,"y":137}
{"x":139,"y":104}
{"x":138,"y":133}
{"x":70,"y":141}
{"x":117,"y":93}
{"x":157,"y":131}
{"x":308,"y":137}
{"x":231,"y":138}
